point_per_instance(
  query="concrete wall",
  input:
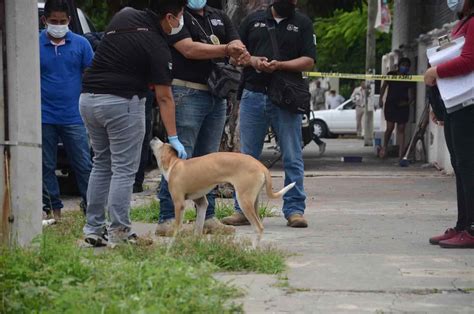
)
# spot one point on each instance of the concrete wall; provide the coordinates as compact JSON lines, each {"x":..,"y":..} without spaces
{"x":416,"y":24}
{"x":23,"y":90}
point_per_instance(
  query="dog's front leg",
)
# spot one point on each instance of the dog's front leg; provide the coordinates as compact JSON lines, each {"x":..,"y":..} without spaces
{"x":178,"y":214}
{"x":201,"y":207}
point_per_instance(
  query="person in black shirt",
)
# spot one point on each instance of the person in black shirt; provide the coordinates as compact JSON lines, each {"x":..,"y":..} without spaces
{"x":297,"y":43}
{"x":133,"y":55}
{"x":400,"y":97}
{"x":207,"y":35}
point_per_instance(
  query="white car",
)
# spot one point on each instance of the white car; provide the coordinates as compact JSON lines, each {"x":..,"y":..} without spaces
{"x":341,"y":120}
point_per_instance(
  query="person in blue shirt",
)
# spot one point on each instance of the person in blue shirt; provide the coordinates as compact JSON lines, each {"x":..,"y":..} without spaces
{"x":63,"y":58}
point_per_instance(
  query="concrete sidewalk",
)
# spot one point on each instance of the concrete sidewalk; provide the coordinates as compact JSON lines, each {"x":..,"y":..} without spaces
{"x":366,"y":250}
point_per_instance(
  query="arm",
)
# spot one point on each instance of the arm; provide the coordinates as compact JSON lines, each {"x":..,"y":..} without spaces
{"x":463,"y":64}
{"x":300,"y":64}
{"x":164,"y":97}
{"x":382,"y":93}
{"x":199,"y":51}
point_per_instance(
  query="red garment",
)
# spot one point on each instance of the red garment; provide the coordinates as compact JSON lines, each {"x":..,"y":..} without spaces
{"x":463,"y":64}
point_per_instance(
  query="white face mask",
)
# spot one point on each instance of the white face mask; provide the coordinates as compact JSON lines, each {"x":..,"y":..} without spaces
{"x":176,"y":30}
{"x":456,"y":5}
{"x":57,"y":31}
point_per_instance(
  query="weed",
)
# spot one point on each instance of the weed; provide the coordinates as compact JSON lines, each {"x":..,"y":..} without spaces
{"x":146,"y":213}
{"x":56,"y":276}
{"x":150,"y":213}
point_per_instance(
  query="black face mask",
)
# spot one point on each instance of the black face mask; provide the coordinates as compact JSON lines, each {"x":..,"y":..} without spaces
{"x":284,"y":8}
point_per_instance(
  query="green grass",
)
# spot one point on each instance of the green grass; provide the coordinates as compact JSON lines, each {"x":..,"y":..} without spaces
{"x":150,"y":213}
{"x":146,"y":213}
{"x":56,"y":276}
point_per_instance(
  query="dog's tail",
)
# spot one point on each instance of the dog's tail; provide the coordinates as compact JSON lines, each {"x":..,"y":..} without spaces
{"x":268,"y":184}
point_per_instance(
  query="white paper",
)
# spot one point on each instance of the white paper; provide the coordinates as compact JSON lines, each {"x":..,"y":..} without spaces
{"x":453,"y":90}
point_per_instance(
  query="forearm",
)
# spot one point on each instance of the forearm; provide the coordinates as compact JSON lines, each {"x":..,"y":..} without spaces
{"x":200,"y":51}
{"x":297,"y":65}
{"x":167,"y":109}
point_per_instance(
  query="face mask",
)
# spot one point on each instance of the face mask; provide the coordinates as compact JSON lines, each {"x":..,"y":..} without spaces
{"x":284,"y":8}
{"x":176,"y":30}
{"x":404,"y":69}
{"x":57,"y":31}
{"x":456,"y":5}
{"x":196,"y":4}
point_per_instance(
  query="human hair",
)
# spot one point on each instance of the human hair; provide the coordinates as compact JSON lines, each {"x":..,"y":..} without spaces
{"x":404,"y":60}
{"x":56,"y":6}
{"x":163,"y":7}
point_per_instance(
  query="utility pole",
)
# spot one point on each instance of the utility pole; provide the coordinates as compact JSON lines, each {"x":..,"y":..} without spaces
{"x":20,"y":131}
{"x":370,"y":69}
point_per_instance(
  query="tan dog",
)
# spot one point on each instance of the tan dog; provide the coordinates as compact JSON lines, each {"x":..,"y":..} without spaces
{"x":192,"y":179}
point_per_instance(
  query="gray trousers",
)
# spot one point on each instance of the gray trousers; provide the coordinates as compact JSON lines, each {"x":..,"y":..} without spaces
{"x":116,"y":127}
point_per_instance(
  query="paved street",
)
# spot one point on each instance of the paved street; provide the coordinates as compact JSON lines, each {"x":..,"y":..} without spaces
{"x":366,"y":250}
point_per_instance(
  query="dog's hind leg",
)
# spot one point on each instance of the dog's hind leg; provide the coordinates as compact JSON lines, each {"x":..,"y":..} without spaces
{"x":201,"y":207}
{"x":248,"y":208}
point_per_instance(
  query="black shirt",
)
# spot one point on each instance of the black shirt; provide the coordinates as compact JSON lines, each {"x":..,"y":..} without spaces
{"x":213,"y":21}
{"x":127,"y":61}
{"x":295,"y":38}
{"x":398,"y":92}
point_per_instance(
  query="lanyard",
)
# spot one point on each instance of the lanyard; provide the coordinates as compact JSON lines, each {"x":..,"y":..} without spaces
{"x":211,"y":38}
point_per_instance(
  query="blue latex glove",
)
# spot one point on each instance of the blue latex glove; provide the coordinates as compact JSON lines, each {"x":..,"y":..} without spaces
{"x":178,"y":147}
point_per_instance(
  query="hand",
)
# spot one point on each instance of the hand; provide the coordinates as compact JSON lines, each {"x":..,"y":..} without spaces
{"x":244,"y":59}
{"x":178,"y":147}
{"x":257,"y":62}
{"x":235,"y":49}
{"x":431,"y":76}
{"x":270,"y":67}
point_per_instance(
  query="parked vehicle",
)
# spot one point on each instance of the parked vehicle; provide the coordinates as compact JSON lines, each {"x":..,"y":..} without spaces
{"x":341,"y":120}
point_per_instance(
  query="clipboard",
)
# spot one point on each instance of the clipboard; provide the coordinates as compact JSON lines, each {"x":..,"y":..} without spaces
{"x":455,"y":91}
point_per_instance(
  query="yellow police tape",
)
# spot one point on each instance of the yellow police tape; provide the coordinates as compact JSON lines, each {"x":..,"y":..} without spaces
{"x":368,"y":77}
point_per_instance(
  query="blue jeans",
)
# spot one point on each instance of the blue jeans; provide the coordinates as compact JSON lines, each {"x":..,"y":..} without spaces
{"x":257,"y":113}
{"x":116,"y":128}
{"x":74,"y":138}
{"x":200,"y":120}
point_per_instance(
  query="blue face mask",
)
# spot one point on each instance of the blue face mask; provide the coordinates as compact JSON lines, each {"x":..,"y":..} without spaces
{"x":456,"y":5}
{"x":196,"y":4}
{"x":404,"y":69}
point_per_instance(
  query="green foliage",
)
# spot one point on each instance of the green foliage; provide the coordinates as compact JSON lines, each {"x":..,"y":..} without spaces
{"x":342,"y":42}
{"x":57,"y":276}
{"x":98,"y":12}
